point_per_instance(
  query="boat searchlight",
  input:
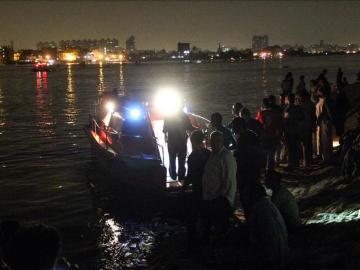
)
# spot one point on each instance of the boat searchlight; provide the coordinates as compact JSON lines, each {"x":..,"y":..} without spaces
{"x":110,"y":106}
{"x":168,"y":102}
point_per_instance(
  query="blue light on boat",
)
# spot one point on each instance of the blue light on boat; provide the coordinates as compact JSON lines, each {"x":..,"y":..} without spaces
{"x":135,"y":114}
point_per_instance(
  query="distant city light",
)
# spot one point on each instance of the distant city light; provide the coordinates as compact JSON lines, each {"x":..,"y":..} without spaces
{"x":69,"y":57}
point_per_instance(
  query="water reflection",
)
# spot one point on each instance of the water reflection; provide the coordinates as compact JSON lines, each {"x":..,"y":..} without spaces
{"x":70,"y":98}
{"x":46,"y":120}
{"x":2,"y":109}
{"x":125,"y":246}
{"x":121,"y":79}
{"x":264,"y":79}
{"x":101,"y":87}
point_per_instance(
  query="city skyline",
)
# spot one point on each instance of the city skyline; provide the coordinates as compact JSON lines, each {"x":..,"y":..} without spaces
{"x":161,"y":25}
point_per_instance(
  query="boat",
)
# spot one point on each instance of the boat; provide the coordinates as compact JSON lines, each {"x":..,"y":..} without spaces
{"x":122,"y":138}
{"x":41,"y":67}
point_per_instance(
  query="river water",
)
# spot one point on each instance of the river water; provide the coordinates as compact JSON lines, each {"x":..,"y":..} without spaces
{"x":47,"y":174}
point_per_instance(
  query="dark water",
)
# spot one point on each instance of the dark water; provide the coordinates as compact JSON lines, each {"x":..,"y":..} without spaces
{"x":46,"y":171}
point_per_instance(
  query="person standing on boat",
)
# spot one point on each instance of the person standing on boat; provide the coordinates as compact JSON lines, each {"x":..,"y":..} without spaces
{"x":176,"y":128}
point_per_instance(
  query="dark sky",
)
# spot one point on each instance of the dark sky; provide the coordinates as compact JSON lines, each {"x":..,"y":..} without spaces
{"x":162,"y":24}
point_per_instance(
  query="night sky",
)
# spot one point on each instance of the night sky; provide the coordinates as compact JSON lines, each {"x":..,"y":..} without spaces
{"x":158,"y":25}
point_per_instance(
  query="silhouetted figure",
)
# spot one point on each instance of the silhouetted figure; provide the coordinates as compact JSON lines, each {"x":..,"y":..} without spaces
{"x":216,"y":123}
{"x":322,"y":75}
{"x":307,"y":128}
{"x":341,"y":108}
{"x":219,"y":188}
{"x":292,"y":117}
{"x":196,"y":164}
{"x":287,"y":84}
{"x":268,"y":232}
{"x":325,"y":125}
{"x":249,"y":159}
{"x":313,"y":91}
{"x":339,"y":78}
{"x":271,"y":120}
{"x":175,"y":129}
{"x":283,"y":200}
{"x":236,"y":109}
{"x":345,"y":82}
{"x":33,"y":247}
{"x":300,"y":88}
{"x":349,"y":158}
{"x":251,"y":124}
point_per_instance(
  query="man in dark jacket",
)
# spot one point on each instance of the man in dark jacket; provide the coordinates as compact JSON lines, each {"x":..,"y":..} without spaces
{"x":249,"y":159}
{"x":292,"y":117}
{"x":175,"y":129}
{"x":196,"y":164}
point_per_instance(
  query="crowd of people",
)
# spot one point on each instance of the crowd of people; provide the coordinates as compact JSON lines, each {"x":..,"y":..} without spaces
{"x":294,"y":130}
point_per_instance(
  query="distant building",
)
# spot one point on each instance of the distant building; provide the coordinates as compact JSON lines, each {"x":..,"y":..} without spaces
{"x":103,"y":44}
{"x":259,"y":43}
{"x":29,"y":56}
{"x":130,"y":44}
{"x":6,"y":55}
{"x":46,"y":45}
{"x":183,"y":48}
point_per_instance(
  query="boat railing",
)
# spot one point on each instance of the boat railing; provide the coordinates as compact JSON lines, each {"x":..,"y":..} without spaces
{"x":96,"y":128}
{"x":162,"y":151}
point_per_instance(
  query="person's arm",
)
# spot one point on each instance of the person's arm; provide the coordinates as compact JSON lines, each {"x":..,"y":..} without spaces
{"x":188,"y":126}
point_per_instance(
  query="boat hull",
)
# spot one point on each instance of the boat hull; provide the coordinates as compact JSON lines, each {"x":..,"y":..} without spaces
{"x":135,"y":172}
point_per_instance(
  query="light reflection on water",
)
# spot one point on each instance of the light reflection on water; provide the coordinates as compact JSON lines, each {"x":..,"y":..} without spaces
{"x":122,"y":79}
{"x":33,"y":106}
{"x":101,"y":86}
{"x":70,"y":111}
{"x":2,"y":108}
{"x":44,"y":108}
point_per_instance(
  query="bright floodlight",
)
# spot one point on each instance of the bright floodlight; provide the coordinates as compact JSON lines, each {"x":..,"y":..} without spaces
{"x":135,"y":113}
{"x":110,"y":106}
{"x":168,"y":101}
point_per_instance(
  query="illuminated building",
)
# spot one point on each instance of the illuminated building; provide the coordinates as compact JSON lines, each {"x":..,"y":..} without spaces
{"x":89,"y":44}
{"x":69,"y":56}
{"x":130,"y":44}
{"x":259,"y":43}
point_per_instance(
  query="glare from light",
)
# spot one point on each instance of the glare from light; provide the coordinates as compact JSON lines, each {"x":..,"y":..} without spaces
{"x":135,"y":113}
{"x":69,"y":57}
{"x":110,"y":106}
{"x":168,"y":101}
{"x":336,"y":143}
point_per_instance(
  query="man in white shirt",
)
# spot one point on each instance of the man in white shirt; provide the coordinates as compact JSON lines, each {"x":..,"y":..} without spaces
{"x":219,"y":187}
